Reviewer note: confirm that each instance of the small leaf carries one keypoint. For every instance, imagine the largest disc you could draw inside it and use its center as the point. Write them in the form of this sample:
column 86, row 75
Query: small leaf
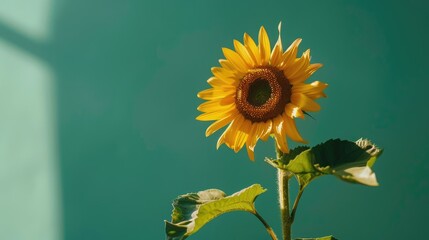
column 286, row 158
column 193, row 210
column 321, row 238
column 349, row 161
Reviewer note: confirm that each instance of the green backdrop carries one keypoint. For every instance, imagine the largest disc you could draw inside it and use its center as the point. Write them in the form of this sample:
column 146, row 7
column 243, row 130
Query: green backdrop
column 123, row 139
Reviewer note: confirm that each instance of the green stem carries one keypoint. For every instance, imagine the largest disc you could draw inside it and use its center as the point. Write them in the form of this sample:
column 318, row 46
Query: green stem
column 267, row 227
column 283, row 183
column 295, row 204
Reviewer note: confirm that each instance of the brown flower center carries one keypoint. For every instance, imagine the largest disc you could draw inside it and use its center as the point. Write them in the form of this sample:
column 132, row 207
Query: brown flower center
column 262, row 94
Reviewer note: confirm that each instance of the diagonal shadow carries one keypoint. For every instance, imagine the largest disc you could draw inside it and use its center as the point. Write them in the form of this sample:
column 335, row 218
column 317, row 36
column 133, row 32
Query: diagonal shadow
column 20, row 41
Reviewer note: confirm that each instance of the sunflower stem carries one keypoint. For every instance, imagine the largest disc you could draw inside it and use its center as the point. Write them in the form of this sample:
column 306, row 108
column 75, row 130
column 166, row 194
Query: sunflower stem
column 283, row 184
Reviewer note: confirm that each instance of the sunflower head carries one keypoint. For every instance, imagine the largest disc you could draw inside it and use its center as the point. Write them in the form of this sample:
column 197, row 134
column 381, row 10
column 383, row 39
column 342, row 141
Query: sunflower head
column 258, row 91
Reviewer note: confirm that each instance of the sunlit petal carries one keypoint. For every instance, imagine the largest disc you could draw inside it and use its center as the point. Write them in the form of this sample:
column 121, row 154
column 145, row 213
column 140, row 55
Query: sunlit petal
column 264, row 46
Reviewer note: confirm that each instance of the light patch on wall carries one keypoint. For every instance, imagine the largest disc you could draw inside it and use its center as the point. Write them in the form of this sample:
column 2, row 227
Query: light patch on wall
column 30, row 198
column 30, row 18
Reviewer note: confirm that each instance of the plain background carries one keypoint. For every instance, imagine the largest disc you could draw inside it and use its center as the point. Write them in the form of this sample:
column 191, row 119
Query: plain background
column 98, row 104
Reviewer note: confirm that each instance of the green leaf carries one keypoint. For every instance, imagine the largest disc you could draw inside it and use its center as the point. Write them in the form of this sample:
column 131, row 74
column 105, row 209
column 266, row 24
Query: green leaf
column 321, row 238
column 349, row 161
column 193, row 210
column 286, row 158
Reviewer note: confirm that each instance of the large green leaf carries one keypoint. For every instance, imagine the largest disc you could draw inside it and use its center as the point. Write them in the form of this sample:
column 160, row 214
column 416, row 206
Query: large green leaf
column 193, row 210
column 321, row 238
column 349, row 161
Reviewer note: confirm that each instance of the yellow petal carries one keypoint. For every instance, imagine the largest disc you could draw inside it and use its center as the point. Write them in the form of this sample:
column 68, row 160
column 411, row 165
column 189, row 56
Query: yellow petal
column 276, row 55
column 281, row 143
column 279, row 39
column 235, row 59
column 241, row 135
column 261, row 129
column 224, row 75
column 231, row 68
column 252, row 49
column 251, row 141
column 289, row 55
column 221, row 123
column 215, row 93
column 313, row 67
column 279, row 134
column 293, row 111
column 304, row 102
column 218, row 83
column 292, row 131
column 210, row 116
column 301, row 73
column 313, row 90
column 232, row 133
column 250, row 152
column 278, row 125
column 221, row 139
column 215, row 105
column 242, row 51
column 306, row 73
column 264, row 46
column 297, row 68
column 266, row 129
column 227, row 65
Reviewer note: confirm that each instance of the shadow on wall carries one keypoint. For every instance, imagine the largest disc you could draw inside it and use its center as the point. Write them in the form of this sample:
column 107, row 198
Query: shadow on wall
column 101, row 57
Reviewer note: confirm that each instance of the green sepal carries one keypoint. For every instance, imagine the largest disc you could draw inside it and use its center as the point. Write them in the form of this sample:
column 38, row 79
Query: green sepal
column 193, row 210
column 321, row 238
column 349, row 161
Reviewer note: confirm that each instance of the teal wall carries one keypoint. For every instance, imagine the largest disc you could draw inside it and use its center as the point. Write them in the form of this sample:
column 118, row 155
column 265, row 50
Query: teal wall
column 115, row 112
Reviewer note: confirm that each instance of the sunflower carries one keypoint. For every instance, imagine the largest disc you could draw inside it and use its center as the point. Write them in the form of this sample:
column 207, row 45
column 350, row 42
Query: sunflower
column 259, row 92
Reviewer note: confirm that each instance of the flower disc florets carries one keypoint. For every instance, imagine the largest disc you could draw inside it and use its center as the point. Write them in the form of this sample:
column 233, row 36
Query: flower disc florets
column 262, row 94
